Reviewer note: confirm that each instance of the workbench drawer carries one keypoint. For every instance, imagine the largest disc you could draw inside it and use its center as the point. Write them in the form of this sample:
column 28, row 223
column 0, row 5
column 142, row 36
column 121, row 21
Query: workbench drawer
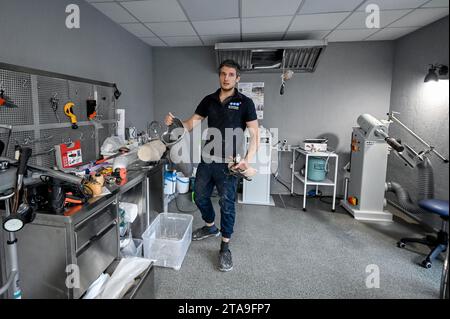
column 96, row 257
column 94, row 226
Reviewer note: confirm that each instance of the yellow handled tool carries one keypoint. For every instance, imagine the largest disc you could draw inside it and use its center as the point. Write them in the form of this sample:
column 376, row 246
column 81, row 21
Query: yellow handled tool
column 68, row 110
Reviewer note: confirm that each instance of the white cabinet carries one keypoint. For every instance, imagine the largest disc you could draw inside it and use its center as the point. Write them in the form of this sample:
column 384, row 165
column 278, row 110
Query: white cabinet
column 257, row 191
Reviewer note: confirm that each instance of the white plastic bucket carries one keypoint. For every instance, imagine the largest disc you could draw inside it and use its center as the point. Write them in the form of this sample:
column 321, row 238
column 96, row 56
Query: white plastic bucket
column 170, row 183
column 182, row 184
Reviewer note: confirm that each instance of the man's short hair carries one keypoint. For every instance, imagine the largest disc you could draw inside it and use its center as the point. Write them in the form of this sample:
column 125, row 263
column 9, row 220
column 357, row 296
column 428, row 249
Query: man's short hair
column 231, row 64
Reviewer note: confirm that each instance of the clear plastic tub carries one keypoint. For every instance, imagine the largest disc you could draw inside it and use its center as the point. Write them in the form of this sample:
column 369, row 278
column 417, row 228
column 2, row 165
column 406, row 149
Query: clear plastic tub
column 167, row 239
column 133, row 249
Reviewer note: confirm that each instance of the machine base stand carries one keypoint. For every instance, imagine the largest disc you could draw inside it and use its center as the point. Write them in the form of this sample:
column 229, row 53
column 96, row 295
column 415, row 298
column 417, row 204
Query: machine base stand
column 241, row 201
column 369, row 216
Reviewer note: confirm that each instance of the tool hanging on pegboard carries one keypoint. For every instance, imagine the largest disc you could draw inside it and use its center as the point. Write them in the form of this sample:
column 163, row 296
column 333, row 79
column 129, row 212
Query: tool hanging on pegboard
column 92, row 111
column 8, row 139
column 5, row 101
column 68, row 110
column 54, row 101
column 91, row 108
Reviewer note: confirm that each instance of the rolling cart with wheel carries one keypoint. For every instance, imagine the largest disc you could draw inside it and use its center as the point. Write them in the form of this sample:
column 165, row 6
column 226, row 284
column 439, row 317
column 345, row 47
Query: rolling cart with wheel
column 307, row 181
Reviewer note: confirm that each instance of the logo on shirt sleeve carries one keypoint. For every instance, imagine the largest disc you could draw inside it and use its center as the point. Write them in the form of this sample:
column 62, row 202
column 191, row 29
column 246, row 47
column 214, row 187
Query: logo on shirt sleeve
column 234, row 105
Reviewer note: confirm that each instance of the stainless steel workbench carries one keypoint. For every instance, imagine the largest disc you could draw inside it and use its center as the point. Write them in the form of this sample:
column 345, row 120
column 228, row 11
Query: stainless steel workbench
column 84, row 242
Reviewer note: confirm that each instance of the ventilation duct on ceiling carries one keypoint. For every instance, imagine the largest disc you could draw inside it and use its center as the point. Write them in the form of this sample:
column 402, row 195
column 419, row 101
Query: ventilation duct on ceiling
column 298, row 56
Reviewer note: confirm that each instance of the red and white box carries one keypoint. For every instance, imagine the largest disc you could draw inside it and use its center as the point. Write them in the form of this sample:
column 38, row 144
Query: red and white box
column 68, row 155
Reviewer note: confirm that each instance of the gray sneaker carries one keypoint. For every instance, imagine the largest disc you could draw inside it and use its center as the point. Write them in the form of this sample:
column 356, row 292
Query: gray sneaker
column 205, row 232
column 225, row 261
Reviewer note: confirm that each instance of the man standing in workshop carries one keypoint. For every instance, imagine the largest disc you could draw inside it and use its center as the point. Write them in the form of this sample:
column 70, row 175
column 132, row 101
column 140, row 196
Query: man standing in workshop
column 227, row 110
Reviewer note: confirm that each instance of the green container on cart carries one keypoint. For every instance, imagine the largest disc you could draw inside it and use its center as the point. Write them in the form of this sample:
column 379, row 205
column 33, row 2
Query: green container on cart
column 317, row 169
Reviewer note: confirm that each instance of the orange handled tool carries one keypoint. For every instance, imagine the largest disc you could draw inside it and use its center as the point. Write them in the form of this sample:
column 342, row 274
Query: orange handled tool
column 5, row 101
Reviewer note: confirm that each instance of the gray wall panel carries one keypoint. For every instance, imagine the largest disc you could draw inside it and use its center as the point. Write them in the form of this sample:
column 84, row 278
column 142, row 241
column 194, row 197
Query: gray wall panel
column 424, row 112
column 351, row 79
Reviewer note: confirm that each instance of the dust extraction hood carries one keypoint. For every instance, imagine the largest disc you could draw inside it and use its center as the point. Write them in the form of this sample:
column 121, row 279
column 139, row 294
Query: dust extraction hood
column 298, row 56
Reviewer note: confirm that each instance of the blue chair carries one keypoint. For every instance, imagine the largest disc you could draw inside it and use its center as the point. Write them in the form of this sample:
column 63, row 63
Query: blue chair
column 437, row 243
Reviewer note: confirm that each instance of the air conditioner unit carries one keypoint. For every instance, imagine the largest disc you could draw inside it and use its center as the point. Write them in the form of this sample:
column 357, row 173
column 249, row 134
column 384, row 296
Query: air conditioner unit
column 273, row 56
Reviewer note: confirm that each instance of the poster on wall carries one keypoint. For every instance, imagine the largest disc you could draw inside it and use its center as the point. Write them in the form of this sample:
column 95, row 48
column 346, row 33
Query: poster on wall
column 255, row 91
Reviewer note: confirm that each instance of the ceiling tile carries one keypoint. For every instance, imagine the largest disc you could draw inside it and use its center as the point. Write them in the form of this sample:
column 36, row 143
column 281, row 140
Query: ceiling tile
column 306, row 35
column 156, row 10
column 391, row 34
column 265, row 8
column 350, row 35
column 172, row 29
column 211, row 9
column 420, row 17
column 138, row 29
column 182, row 41
column 217, row 27
column 437, row 4
column 115, row 12
column 211, row 40
column 262, row 37
column 393, row 4
column 324, row 6
column 155, row 42
column 267, row 24
column 358, row 19
column 317, row 22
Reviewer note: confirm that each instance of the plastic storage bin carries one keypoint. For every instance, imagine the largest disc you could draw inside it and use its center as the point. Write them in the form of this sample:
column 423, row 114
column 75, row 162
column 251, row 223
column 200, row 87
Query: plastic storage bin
column 133, row 249
column 167, row 239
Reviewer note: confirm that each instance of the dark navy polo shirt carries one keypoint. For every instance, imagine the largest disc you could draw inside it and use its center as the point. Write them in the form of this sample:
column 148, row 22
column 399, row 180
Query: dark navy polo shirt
column 234, row 112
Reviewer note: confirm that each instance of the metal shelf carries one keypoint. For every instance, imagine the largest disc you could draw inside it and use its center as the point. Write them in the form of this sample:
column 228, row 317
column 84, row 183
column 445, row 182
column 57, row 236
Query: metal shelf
column 317, row 154
column 326, row 182
column 306, row 181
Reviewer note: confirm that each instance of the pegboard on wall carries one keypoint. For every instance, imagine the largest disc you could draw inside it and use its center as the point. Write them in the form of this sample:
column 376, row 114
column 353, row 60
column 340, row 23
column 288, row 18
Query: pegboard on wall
column 23, row 138
column 52, row 137
column 17, row 88
column 41, row 124
column 107, row 130
column 106, row 101
column 49, row 88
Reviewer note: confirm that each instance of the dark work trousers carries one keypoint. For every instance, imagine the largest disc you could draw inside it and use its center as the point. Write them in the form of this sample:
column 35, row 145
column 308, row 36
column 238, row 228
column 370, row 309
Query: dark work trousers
column 208, row 176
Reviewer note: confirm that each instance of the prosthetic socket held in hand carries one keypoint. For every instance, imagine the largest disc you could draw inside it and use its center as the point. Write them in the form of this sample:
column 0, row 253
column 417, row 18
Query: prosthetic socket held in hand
column 246, row 174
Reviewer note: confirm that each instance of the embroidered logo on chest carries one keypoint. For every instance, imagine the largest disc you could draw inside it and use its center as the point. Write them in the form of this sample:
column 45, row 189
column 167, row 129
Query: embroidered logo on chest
column 234, row 106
